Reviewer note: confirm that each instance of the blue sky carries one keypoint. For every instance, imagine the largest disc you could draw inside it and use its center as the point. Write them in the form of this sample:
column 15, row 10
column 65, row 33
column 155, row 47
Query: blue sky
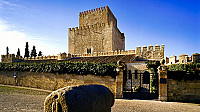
column 45, row 23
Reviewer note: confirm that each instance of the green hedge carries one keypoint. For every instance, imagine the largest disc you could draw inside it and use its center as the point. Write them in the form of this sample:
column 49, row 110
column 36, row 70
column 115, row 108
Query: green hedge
column 80, row 68
column 184, row 71
column 184, row 67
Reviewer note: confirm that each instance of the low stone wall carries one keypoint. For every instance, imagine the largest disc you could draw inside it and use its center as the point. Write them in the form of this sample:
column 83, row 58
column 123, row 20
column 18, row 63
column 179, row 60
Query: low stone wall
column 50, row 81
column 184, row 91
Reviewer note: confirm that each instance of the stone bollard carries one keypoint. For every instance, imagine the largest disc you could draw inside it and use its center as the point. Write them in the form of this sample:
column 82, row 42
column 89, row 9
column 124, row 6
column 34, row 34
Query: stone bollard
column 84, row 98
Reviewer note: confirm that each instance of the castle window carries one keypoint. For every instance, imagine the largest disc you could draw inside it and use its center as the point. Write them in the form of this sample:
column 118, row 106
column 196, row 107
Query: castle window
column 89, row 51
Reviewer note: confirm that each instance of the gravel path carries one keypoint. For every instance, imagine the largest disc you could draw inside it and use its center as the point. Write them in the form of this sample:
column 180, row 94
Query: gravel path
column 23, row 100
column 34, row 103
column 21, row 103
column 122, row 105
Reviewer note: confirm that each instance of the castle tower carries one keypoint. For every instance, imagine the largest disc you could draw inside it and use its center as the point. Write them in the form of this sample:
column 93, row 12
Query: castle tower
column 97, row 32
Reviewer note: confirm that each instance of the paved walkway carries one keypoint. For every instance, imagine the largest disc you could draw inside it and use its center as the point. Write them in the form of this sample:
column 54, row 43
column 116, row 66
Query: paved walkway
column 14, row 102
column 122, row 105
column 34, row 103
column 36, row 89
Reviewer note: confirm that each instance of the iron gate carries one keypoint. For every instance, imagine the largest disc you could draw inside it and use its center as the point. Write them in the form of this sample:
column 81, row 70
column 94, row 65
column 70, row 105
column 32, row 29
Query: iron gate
column 136, row 85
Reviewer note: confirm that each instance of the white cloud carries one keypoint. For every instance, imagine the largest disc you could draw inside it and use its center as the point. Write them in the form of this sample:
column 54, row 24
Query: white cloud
column 10, row 5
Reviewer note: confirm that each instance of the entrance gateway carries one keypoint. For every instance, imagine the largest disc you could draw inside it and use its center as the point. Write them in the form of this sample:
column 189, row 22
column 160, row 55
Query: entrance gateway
column 140, row 84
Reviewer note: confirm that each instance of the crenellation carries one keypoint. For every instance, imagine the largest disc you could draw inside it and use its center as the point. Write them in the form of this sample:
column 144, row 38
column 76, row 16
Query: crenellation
column 122, row 52
column 144, row 49
column 133, row 51
column 138, row 51
column 157, row 47
column 110, row 12
column 150, row 47
column 126, row 52
column 115, row 53
column 129, row 51
column 92, row 11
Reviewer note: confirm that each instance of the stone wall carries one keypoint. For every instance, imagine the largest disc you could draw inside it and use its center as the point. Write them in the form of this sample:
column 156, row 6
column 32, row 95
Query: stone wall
column 117, row 35
column 97, row 37
column 186, row 91
column 49, row 81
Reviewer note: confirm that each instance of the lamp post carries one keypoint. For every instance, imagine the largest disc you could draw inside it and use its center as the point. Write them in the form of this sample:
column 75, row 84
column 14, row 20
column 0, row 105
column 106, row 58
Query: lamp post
column 15, row 77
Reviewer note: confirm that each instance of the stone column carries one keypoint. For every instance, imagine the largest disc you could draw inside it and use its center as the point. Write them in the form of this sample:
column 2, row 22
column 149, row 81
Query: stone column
column 162, row 83
column 119, row 84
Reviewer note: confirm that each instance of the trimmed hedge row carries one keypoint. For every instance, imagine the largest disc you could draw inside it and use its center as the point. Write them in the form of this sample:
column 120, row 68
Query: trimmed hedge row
column 184, row 71
column 80, row 68
column 184, row 67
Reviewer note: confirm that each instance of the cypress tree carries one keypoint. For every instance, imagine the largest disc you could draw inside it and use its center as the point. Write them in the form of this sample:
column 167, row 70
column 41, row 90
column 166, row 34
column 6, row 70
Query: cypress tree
column 7, row 50
column 40, row 53
column 26, row 51
column 33, row 52
column 18, row 52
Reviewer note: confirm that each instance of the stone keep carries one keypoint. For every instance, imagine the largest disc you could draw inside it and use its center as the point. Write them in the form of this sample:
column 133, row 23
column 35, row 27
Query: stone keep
column 97, row 32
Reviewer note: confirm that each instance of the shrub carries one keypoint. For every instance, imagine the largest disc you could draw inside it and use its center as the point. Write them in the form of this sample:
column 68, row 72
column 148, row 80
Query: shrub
column 80, row 68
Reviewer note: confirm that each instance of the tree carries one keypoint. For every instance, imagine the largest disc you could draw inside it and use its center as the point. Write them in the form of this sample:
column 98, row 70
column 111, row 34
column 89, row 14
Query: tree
column 33, row 52
column 26, row 51
column 7, row 50
column 18, row 52
column 40, row 53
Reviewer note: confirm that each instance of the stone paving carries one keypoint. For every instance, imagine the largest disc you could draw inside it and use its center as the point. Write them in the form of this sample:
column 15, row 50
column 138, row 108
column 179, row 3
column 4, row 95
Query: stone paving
column 17, row 99
column 34, row 103
column 122, row 105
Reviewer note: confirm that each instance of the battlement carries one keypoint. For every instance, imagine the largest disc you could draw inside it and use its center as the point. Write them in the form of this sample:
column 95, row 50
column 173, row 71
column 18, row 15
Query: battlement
column 142, row 53
column 151, row 48
column 83, row 13
column 61, row 56
column 111, row 53
column 10, row 58
column 98, row 25
column 150, row 53
column 98, row 15
column 93, row 10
